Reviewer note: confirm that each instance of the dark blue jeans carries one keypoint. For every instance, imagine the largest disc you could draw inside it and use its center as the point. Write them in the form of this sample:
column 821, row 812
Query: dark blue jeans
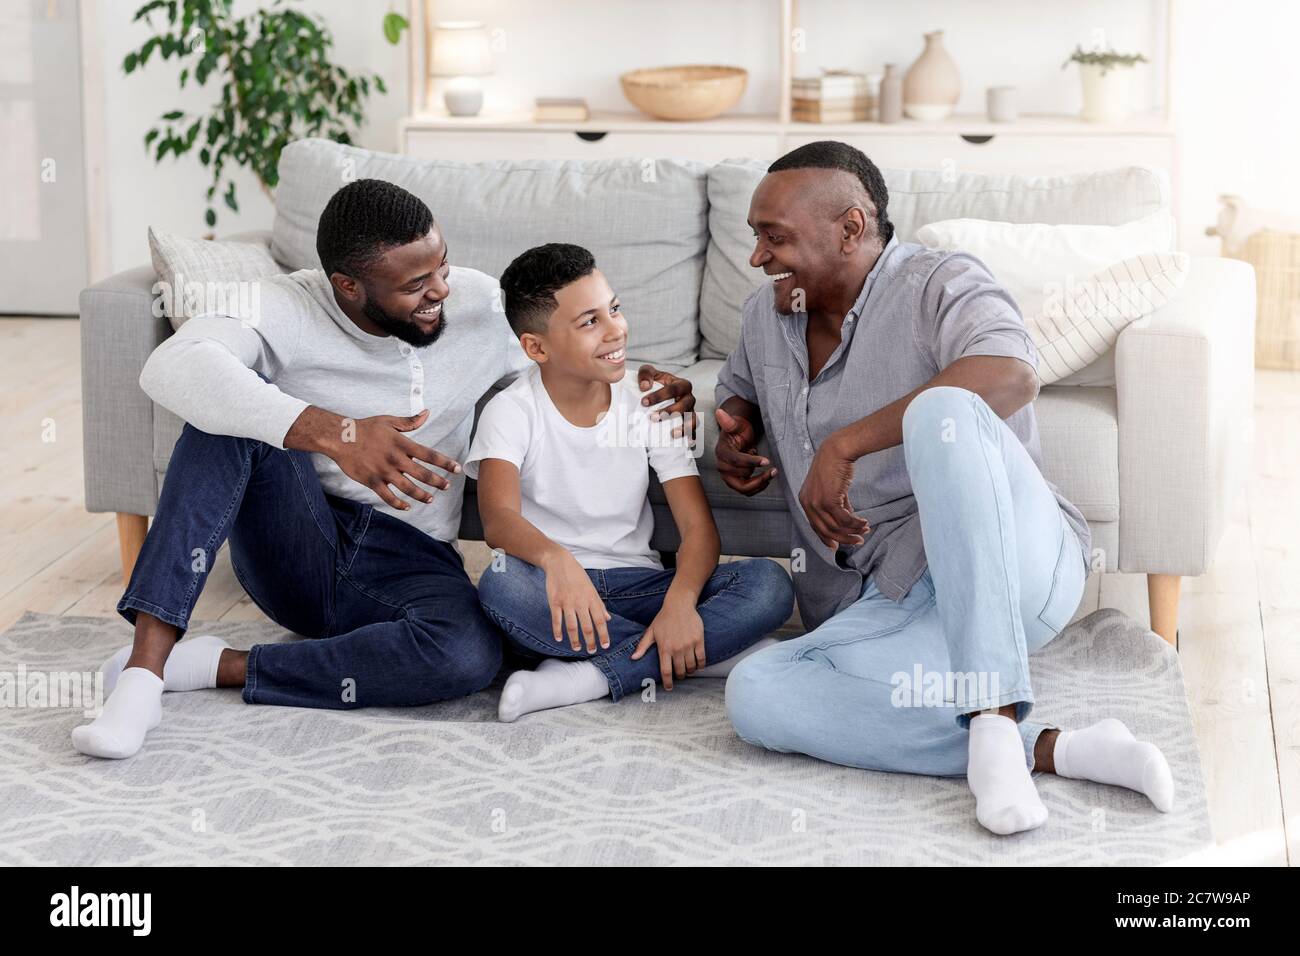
column 742, row 602
column 396, row 619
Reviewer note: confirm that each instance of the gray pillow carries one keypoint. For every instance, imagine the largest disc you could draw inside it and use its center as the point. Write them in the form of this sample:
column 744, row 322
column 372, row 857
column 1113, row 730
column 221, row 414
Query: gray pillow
column 199, row 276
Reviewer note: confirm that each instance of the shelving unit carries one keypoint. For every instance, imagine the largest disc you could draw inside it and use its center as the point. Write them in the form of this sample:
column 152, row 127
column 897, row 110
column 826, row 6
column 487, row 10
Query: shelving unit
column 1044, row 143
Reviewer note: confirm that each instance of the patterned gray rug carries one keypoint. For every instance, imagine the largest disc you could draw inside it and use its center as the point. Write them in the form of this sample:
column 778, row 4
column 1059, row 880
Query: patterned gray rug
column 638, row 783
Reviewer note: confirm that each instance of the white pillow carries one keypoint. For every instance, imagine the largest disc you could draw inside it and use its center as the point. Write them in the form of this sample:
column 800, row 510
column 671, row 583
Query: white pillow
column 1024, row 257
column 204, row 275
column 1081, row 320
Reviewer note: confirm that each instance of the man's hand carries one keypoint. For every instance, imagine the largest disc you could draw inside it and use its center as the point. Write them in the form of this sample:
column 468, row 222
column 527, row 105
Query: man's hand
column 825, row 497
column 737, row 457
column 679, row 391
column 374, row 452
column 575, row 603
column 679, row 633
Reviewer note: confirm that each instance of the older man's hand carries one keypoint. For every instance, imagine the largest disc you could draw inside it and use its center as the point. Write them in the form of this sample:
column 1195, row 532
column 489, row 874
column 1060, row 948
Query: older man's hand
column 737, row 458
column 825, row 497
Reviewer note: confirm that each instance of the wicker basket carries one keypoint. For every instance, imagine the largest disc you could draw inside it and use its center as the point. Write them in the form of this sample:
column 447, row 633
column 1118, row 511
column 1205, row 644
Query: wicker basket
column 1276, row 258
column 685, row 92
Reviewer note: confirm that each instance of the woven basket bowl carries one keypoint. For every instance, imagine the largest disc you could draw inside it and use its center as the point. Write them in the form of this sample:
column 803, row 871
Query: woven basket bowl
column 685, row 92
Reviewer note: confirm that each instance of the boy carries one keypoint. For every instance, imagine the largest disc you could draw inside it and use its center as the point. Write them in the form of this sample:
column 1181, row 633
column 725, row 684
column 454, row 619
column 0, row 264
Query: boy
column 560, row 457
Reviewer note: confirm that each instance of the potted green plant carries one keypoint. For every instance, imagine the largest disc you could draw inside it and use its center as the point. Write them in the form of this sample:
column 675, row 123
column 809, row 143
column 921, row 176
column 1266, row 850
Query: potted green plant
column 1107, row 82
column 278, row 84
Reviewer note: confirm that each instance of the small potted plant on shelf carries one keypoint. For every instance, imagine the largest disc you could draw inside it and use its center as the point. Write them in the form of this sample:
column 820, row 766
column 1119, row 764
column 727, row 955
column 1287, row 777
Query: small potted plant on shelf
column 1107, row 83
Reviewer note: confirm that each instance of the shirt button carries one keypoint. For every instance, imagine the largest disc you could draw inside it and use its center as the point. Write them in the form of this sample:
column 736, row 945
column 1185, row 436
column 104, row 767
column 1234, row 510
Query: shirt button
column 807, row 447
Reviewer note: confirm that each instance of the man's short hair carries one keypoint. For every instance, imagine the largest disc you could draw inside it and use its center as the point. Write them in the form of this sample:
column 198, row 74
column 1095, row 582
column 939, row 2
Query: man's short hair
column 530, row 282
column 365, row 219
column 829, row 154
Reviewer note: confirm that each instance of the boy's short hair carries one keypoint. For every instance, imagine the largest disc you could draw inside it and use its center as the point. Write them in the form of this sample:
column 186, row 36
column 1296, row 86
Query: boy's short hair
column 530, row 282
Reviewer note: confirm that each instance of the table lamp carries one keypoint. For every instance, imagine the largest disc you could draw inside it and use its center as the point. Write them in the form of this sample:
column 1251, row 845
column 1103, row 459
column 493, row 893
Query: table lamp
column 460, row 50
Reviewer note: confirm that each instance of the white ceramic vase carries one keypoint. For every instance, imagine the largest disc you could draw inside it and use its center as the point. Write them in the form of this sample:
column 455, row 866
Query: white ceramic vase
column 1107, row 95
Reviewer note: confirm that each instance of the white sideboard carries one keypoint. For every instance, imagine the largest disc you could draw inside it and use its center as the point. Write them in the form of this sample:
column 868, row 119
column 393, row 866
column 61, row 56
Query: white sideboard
column 1043, row 145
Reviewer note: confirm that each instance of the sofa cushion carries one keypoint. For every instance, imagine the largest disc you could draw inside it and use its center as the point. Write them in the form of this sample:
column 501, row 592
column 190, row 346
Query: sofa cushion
column 208, row 275
column 916, row 197
column 646, row 223
column 1078, row 429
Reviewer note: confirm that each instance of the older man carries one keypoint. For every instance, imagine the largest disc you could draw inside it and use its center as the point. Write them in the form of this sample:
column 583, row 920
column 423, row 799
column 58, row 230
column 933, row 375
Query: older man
column 893, row 383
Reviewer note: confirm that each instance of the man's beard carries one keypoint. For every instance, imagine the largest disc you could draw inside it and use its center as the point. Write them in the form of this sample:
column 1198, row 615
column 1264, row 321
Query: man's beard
column 402, row 328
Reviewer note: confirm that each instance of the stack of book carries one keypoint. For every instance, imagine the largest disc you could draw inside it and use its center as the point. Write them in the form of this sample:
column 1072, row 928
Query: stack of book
column 836, row 96
column 558, row 109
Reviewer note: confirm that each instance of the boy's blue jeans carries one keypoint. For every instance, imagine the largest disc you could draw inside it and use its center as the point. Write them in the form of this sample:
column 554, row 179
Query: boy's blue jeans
column 742, row 602
column 889, row 686
column 395, row 619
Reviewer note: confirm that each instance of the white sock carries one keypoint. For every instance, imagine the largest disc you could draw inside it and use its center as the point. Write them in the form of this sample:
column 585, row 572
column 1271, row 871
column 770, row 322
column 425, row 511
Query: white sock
column 134, row 709
column 1107, row 752
column 555, row 683
column 723, row 668
column 1005, row 798
column 192, row 664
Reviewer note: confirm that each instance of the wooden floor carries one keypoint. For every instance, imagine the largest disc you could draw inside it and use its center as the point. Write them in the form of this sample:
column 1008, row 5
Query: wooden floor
column 1239, row 623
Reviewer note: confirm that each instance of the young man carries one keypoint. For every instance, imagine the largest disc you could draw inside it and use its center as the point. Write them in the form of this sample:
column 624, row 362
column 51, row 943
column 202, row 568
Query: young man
column 894, row 384
column 323, row 441
column 561, row 458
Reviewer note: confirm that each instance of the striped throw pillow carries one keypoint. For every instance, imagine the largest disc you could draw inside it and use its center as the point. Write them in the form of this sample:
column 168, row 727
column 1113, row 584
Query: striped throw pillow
column 1080, row 320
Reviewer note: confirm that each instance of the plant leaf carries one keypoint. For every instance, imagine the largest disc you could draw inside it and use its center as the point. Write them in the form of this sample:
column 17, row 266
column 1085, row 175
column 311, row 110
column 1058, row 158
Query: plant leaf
column 394, row 24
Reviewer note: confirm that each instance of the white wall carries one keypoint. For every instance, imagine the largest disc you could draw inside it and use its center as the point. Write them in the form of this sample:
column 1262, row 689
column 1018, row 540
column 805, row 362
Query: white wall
column 1234, row 69
column 1236, row 81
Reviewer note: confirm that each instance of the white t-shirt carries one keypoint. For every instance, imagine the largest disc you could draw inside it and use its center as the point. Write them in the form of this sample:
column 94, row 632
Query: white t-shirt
column 584, row 488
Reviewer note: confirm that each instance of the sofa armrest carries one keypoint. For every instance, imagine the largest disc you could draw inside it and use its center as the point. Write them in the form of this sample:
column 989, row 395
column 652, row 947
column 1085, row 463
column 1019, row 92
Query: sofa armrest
column 1185, row 382
column 118, row 331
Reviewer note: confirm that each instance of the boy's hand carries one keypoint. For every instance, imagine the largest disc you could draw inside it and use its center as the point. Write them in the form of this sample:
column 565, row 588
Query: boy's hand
column 679, row 391
column 679, row 633
column 737, row 457
column 575, row 603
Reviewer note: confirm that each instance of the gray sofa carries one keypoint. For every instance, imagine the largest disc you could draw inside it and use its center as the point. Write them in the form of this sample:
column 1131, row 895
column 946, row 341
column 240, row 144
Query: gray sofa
column 1148, row 441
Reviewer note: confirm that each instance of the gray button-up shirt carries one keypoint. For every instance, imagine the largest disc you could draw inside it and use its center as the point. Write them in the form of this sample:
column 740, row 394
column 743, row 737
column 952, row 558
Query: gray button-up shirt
column 919, row 310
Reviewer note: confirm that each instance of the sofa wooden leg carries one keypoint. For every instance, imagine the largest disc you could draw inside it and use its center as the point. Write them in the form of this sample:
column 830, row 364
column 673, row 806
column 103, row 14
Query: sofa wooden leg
column 131, row 530
column 1162, row 595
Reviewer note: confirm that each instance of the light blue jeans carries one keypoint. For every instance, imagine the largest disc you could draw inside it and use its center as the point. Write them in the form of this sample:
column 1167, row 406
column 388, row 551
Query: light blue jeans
column 890, row 686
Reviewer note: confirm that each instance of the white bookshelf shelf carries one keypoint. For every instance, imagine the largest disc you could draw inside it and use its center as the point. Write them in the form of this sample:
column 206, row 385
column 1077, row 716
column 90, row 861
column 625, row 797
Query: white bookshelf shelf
column 972, row 125
column 1036, row 144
